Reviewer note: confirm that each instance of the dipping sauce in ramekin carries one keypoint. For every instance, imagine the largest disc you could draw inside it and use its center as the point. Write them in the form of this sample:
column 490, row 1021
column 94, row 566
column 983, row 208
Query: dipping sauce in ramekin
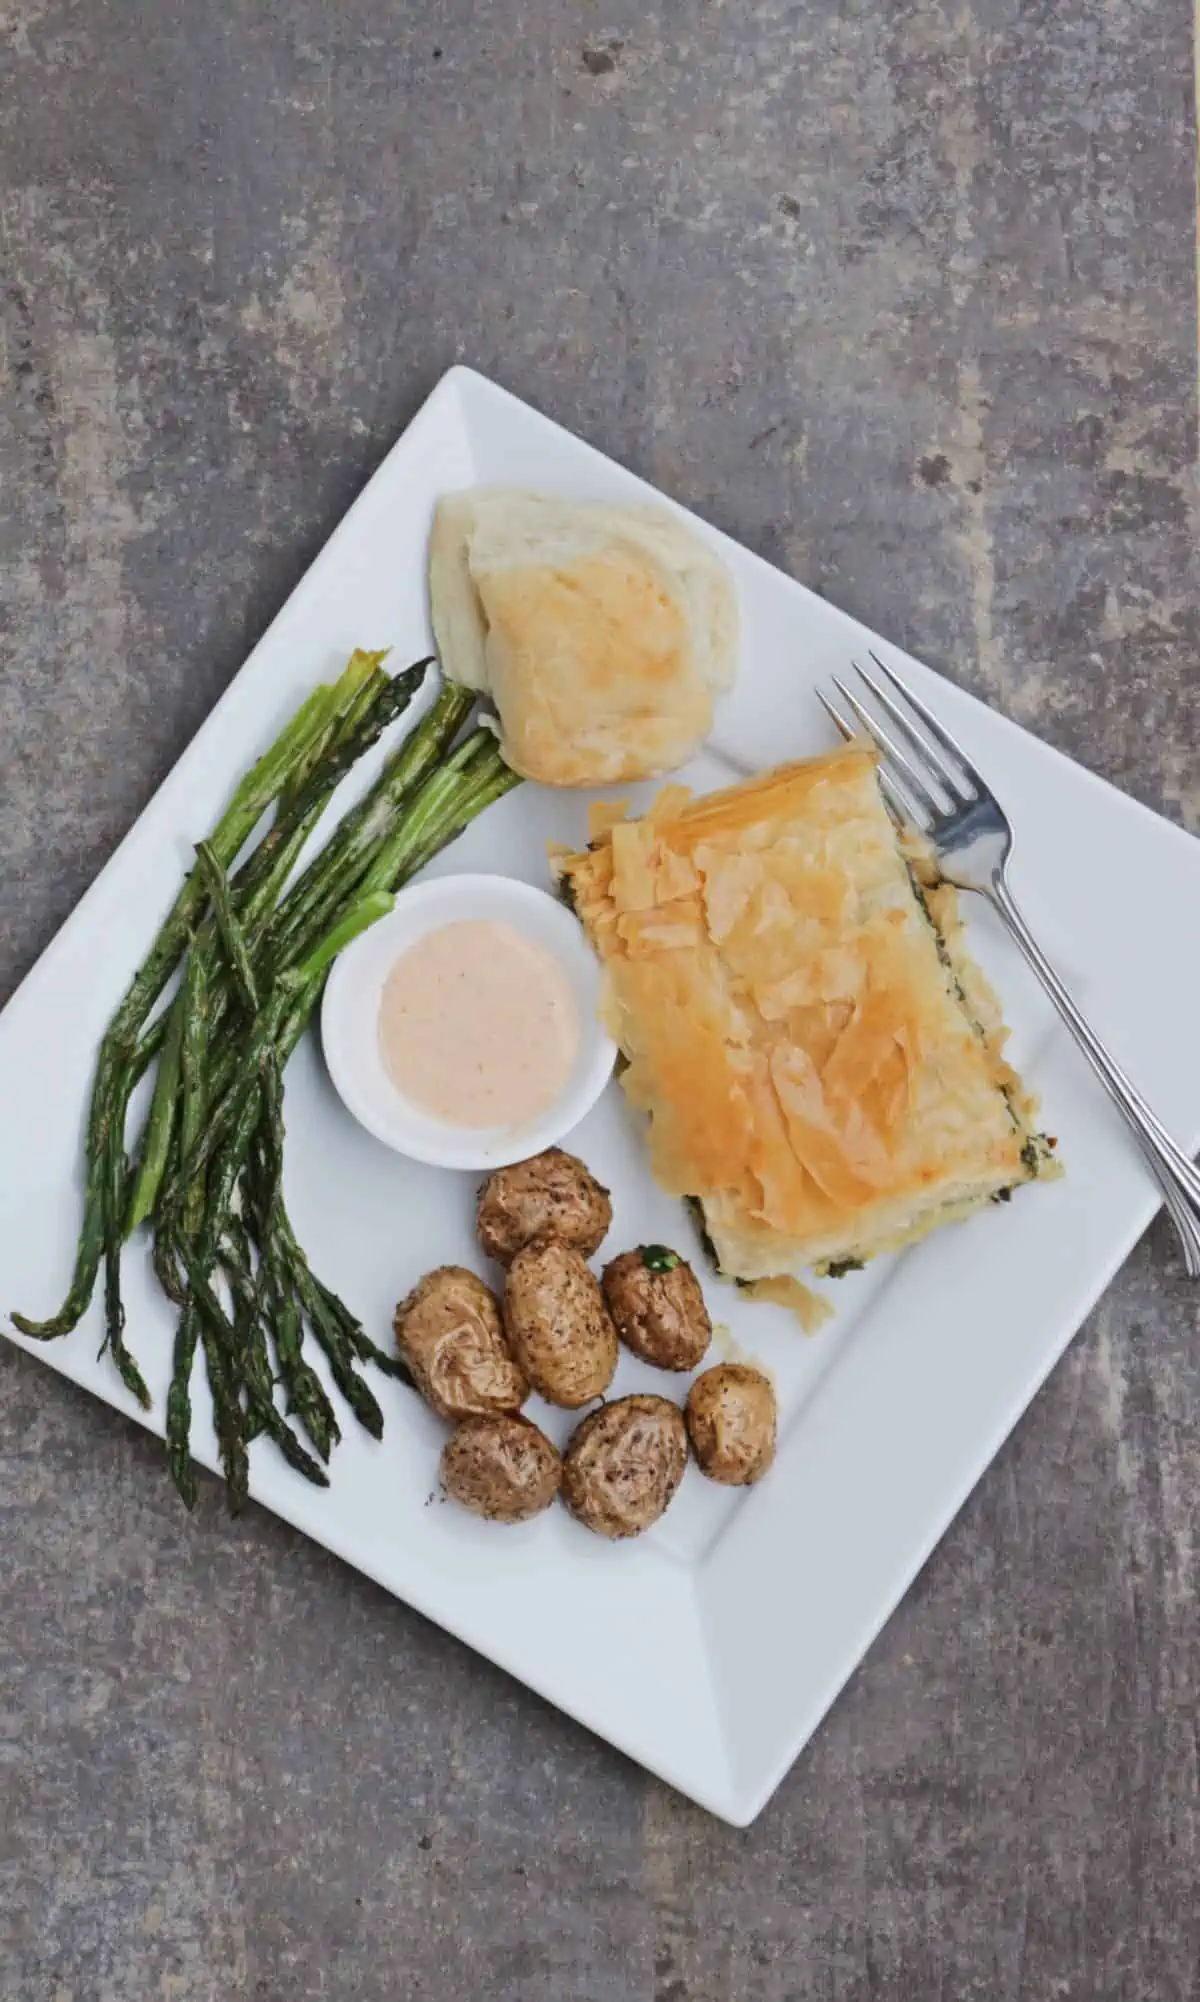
column 478, row 1024
column 464, row 1029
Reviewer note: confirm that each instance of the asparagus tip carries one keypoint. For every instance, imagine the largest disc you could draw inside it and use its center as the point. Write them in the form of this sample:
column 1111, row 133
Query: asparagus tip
column 40, row 1331
column 131, row 1375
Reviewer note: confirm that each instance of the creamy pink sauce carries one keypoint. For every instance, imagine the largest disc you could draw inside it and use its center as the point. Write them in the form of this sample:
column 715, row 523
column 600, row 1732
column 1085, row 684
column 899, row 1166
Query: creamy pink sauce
column 478, row 1025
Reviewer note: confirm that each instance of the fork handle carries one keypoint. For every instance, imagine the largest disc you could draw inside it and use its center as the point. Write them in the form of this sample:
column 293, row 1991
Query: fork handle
column 1178, row 1178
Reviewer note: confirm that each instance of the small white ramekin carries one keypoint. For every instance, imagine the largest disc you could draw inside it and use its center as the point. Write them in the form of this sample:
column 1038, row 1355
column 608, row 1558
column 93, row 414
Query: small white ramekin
column 350, row 1022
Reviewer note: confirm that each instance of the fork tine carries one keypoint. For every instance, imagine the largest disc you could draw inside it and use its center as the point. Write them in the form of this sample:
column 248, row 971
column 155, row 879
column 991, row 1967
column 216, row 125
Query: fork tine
column 914, row 782
column 941, row 736
column 835, row 715
column 900, row 808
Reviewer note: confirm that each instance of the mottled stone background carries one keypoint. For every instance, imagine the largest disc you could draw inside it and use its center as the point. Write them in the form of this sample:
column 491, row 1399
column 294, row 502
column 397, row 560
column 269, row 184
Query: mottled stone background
column 903, row 294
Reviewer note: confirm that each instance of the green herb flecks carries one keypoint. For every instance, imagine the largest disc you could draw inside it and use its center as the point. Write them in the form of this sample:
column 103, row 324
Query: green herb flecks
column 837, row 1268
column 695, row 1209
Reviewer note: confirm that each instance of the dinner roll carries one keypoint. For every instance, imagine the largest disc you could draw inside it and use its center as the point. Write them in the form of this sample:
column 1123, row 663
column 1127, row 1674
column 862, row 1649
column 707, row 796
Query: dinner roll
column 600, row 633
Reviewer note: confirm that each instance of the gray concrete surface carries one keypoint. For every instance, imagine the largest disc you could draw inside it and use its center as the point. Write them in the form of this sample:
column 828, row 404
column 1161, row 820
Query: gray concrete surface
column 904, row 295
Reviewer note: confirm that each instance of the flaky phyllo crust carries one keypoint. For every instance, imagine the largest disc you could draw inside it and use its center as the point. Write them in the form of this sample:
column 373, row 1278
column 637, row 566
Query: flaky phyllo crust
column 820, row 1062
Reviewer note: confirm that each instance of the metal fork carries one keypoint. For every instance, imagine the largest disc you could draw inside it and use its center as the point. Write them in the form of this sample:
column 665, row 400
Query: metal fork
column 928, row 780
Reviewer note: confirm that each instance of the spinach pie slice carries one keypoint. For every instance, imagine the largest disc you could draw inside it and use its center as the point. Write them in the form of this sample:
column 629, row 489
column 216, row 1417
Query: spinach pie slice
column 821, row 1063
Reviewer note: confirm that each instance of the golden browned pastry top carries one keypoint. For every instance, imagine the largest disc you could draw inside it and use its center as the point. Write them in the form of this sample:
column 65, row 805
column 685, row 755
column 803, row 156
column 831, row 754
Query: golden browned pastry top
column 808, row 1051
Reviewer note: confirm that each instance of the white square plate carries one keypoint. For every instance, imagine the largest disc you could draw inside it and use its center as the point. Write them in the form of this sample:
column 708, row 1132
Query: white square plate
column 710, row 1650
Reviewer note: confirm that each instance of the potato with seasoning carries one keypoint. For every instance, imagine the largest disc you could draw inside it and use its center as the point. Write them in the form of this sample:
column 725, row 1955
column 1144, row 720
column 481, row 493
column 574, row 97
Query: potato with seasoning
column 731, row 1422
column 623, row 1465
column 450, row 1333
column 550, row 1195
column 655, row 1300
column 500, row 1467
column 557, row 1323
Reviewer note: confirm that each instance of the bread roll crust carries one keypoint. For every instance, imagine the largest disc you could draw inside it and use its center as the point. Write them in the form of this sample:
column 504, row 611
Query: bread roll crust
column 600, row 633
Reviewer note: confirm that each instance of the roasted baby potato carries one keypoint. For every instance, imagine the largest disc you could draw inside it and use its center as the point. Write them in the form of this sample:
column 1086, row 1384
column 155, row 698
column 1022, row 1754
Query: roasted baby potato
column 655, row 1300
column 450, row 1333
column 623, row 1465
column 550, row 1195
column 501, row 1467
column 557, row 1323
column 731, row 1420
